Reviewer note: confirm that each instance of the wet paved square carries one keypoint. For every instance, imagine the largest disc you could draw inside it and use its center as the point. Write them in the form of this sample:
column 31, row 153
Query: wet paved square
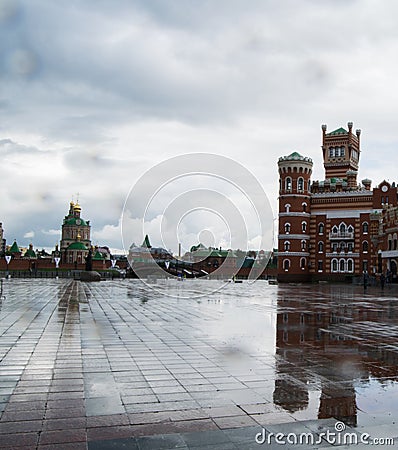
column 120, row 364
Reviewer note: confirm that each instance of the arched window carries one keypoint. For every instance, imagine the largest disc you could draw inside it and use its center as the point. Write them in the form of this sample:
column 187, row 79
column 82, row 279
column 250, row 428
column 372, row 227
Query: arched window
column 331, row 152
column 304, row 205
column 350, row 229
column 286, row 246
column 342, row 246
column 302, row 263
column 365, row 227
column 342, row 151
column 320, row 247
column 342, row 265
column 286, row 265
column 365, row 246
column 288, row 184
column 300, row 184
column 303, row 246
column 321, row 228
column 304, row 227
column 389, row 242
column 335, row 229
column 334, row 265
column 350, row 265
column 287, row 228
column 342, row 228
column 287, row 207
column 350, row 247
column 334, row 247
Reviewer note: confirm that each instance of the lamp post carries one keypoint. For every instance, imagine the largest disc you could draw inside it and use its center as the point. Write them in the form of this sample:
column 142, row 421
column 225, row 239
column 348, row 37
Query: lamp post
column 57, row 259
column 8, row 259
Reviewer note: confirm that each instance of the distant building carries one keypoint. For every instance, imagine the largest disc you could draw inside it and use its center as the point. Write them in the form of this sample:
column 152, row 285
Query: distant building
column 334, row 229
column 146, row 253
column 14, row 251
column 2, row 241
column 75, row 240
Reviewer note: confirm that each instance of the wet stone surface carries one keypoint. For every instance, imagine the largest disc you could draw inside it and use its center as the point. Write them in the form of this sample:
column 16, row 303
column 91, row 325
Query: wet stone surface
column 193, row 364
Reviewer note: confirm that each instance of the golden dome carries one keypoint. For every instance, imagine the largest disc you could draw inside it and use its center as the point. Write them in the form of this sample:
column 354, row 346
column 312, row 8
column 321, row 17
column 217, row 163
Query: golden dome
column 77, row 207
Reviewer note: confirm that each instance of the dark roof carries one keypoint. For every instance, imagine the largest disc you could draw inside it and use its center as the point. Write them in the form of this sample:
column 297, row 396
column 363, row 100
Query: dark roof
column 146, row 242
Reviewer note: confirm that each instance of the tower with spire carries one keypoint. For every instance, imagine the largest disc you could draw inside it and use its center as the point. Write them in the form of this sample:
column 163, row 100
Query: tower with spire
column 76, row 239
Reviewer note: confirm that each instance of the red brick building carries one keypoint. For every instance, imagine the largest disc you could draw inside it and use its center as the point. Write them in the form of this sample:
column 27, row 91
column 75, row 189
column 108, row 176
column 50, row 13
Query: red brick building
column 333, row 229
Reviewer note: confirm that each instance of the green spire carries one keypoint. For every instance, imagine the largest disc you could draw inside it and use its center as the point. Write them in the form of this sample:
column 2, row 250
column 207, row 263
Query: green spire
column 30, row 253
column 98, row 256
column 14, row 248
column 146, row 242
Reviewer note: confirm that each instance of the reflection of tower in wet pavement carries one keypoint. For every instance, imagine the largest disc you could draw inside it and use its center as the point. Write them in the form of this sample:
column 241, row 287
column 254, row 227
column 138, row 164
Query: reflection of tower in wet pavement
column 309, row 354
column 338, row 400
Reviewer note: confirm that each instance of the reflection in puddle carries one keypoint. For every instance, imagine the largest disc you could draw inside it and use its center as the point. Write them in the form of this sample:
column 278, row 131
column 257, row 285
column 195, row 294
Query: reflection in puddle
column 343, row 342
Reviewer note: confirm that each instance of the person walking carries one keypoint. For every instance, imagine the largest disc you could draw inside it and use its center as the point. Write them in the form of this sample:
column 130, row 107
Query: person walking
column 382, row 281
column 365, row 280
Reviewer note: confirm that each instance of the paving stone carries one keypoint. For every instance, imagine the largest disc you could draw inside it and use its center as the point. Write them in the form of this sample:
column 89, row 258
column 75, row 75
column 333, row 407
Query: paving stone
column 119, row 368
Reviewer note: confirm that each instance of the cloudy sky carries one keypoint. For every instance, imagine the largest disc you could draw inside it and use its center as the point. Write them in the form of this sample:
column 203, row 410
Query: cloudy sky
column 94, row 93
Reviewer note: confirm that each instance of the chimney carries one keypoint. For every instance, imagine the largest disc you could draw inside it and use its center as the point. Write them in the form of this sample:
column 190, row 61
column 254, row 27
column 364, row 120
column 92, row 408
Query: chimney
column 352, row 179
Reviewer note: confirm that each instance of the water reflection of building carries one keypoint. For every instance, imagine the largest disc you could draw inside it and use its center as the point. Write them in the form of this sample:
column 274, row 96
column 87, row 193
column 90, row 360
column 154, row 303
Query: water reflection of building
column 329, row 340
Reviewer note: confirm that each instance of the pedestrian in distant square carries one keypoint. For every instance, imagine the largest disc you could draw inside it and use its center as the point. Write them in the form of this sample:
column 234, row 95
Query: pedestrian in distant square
column 382, row 280
column 365, row 279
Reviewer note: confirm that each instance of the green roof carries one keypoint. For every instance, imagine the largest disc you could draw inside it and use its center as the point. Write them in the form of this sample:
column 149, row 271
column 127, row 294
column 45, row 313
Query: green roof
column 77, row 246
column 213, row 253
column 75, row 221
column 14, row 248
column 338, row 131
column 195, row 248
column 98, row 256
column 295, row 155
column 146, row 242
column 30, row 253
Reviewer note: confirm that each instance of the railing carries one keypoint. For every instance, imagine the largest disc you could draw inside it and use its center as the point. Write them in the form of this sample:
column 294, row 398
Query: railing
column 341, row 235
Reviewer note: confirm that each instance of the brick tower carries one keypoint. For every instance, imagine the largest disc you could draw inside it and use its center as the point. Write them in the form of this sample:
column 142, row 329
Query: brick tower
column 341, row 151
column 294, row 217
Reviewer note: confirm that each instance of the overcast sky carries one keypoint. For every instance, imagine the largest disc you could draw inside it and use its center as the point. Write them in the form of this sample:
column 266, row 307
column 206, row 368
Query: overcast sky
column 95, row 93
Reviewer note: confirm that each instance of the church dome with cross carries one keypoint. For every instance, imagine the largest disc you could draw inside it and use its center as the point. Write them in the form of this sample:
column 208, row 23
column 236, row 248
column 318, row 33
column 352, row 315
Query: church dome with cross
column 76, row 239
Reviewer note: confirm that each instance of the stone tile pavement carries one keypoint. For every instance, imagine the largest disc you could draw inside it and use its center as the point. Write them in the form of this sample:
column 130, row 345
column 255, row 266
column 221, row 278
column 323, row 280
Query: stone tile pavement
column 108, row 365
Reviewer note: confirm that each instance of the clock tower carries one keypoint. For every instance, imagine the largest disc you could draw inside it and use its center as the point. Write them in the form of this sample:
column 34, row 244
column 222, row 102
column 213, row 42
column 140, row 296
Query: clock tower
column 75, row 241
column 341, row 151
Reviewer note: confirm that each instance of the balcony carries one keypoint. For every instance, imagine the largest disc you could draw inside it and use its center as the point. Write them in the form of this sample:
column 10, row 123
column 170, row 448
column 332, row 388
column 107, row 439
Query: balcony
column 341, row 235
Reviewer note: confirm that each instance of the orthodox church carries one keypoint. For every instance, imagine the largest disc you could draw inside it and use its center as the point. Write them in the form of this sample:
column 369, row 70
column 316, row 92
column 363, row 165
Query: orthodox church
column 75, row 238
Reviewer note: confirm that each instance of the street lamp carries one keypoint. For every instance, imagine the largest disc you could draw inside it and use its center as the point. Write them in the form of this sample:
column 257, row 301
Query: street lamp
column 8, row 259
column 57, row 259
